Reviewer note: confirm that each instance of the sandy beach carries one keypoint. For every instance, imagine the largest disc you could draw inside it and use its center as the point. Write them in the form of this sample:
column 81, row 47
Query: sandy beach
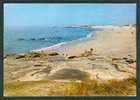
column 110, row 54
column 111, row 41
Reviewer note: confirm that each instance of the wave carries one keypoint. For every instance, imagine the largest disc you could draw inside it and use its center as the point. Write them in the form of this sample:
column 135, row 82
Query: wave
column 40, row 39
column 90, row 35
column 51, row 47
column 58, row 45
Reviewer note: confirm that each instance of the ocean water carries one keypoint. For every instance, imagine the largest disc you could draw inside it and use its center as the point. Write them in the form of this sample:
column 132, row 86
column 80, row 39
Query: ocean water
column 30, row 39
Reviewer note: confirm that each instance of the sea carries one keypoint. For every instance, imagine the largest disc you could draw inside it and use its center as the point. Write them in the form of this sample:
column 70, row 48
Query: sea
column 26, row 40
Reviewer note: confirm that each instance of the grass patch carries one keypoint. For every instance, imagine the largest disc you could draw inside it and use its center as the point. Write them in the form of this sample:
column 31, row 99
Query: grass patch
column 125, row 87
column 24, row 88
column 94, row 88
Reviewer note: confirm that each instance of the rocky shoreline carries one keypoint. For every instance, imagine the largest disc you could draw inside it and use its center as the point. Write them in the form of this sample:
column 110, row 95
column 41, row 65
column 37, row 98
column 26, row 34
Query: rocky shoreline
column 111, row 56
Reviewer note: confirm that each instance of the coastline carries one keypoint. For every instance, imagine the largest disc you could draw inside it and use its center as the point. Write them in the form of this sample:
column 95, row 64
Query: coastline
column 52, row 36
column 108, row 58
column 90, row 35
column 95, row 40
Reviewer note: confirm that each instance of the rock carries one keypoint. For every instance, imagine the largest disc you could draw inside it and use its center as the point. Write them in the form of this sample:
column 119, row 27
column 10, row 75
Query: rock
column 21, row 39
column 20, row 56
column 53, row 54
column 32, row 39
column 35, row 54
column 37, row 65
column 91, row 49
column 71, row 57
column 113, row 59
column 41, row 39
column 5, row 56
column 125, row 58
column 132, row 32
column 130, row 61
column 87, row 53
column 58, row 38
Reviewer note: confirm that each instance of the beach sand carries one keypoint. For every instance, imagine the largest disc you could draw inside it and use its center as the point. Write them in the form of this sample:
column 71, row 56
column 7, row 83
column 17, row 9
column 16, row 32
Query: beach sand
column 112, row 40
column 109, row 55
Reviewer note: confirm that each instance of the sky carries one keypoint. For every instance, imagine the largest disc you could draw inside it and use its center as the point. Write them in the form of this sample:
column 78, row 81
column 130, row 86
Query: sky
column 41, row 15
